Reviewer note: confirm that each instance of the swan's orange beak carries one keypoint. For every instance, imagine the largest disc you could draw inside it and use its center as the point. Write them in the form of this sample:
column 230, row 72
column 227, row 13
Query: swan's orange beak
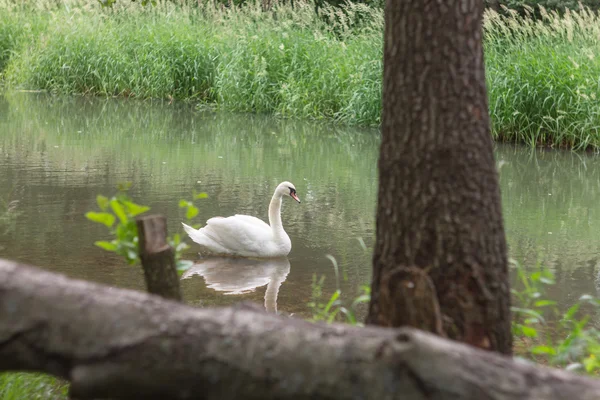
column 295, row 197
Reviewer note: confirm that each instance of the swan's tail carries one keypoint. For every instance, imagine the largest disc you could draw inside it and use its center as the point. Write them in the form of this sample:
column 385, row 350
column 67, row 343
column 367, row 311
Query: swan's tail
column 204, row 238
column 194, row 234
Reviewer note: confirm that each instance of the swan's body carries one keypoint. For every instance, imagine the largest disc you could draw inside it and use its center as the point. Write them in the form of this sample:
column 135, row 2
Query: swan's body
column 247, row 236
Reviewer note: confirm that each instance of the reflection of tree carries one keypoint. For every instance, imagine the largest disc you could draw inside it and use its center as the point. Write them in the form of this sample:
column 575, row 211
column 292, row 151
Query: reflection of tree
column 242, row 275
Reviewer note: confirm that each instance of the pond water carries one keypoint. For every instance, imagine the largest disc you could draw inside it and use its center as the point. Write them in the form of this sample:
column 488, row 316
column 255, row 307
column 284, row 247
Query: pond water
column 57, row 154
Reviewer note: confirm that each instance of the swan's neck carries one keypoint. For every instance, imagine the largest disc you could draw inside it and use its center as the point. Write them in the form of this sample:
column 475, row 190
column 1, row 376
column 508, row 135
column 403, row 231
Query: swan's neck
column 275, row 216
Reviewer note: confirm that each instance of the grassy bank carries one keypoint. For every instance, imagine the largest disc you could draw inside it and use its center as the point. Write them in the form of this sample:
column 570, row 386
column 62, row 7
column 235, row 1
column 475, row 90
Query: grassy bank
column 287, row 62
column 543, row 76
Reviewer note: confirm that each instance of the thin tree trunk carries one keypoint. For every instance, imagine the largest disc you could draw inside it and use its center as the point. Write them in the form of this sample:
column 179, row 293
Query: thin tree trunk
column 439, row 205
column 121, row 344
column 157, row 257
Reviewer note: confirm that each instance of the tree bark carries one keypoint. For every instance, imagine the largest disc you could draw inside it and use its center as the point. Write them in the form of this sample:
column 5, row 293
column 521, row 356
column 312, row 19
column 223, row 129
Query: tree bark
column 439, row 200
column 157, row 257
column 121, row 344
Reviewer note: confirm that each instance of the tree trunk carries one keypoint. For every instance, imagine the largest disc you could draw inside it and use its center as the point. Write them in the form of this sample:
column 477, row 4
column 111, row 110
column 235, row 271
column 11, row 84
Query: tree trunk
column 439, row 220
column 121, row 344
column 157, row 257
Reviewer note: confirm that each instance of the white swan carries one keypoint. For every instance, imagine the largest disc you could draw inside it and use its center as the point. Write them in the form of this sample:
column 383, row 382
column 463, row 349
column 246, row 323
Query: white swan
column 246, row 236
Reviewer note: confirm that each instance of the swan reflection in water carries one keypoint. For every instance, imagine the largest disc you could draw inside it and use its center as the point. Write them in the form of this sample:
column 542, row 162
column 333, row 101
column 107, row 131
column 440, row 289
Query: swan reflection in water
column 243, row 275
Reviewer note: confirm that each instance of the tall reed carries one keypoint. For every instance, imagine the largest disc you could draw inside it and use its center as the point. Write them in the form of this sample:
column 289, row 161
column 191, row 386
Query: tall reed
column 544, row 78
column 286, row 61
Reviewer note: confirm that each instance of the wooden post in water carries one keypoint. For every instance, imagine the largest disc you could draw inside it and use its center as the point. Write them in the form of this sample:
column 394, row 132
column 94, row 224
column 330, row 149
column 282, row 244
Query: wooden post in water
column 158, row 258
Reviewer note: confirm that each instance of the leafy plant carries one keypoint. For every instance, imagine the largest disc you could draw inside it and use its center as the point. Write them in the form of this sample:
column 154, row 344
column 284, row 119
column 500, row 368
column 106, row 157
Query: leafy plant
column 562, row 339
column 118, row 215
column 335, row 306
column 332, row 308
column 542, row 332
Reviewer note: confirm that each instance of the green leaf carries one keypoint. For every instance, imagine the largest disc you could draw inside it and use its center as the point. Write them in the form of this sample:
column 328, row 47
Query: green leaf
column 547, row 277
column 183, row 203
column 571, row 312
column 364, row 298
column 595, row 302
column 529, row 331
column 108, row 246
column 200, row 196
column 123, row 186
column 529, row 312
column 191, row 212
column 132, row 255
column 182, row 246
column 118, row 210
column 543, row 350
column 547, row 281
column 544, row 303
column 332, row 316
column 332, row 300
column 350, row 317
column 102, row 218
column 102, row 202
column 183, row 265
column 134, row 209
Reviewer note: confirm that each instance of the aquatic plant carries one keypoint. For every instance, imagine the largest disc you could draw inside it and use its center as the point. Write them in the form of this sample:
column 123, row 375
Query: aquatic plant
column 543, row 332
column 118, row 215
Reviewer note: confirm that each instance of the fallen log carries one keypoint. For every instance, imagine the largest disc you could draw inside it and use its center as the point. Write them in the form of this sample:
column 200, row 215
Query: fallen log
column 122, row 344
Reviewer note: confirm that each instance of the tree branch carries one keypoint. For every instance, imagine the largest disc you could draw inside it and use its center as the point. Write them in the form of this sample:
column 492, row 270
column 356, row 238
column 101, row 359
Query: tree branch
column 124, row 344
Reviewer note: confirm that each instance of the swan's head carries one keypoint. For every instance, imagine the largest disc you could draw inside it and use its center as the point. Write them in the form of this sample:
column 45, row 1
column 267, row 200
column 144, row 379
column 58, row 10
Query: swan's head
column 287, row 189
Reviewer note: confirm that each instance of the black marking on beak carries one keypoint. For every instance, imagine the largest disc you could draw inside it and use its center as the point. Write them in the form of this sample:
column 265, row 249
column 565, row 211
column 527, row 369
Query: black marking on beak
column 293, row 195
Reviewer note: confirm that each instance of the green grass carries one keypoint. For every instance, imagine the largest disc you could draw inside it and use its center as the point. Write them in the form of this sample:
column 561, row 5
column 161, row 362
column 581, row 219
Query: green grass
column 287, row 62
column 542, row 73
column 544, row 78
column 26, row 386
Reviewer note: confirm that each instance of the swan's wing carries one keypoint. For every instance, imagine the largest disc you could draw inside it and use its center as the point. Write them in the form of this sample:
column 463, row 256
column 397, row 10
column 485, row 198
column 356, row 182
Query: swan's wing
column 253, row 220
column 239, row 233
